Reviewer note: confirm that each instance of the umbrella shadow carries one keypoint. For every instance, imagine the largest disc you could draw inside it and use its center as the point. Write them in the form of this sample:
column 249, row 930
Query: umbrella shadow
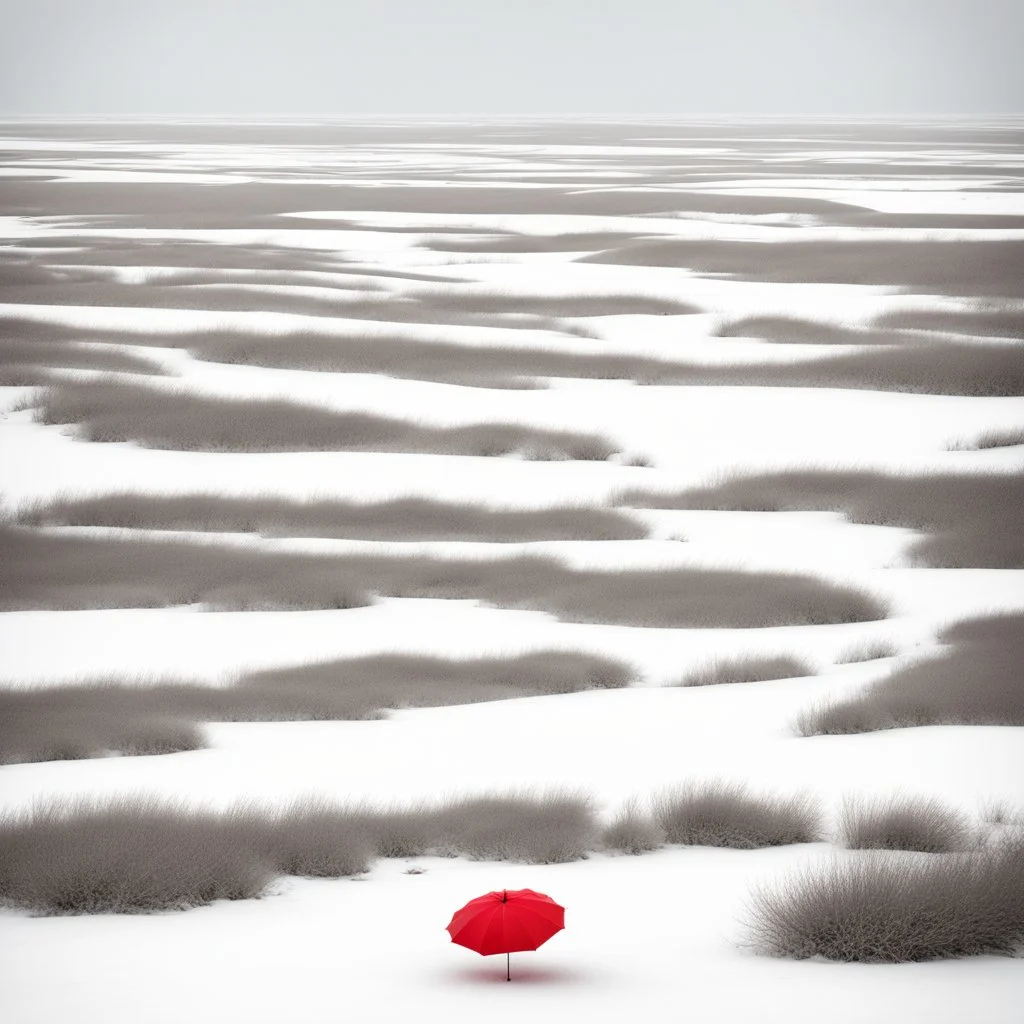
column 523, row 974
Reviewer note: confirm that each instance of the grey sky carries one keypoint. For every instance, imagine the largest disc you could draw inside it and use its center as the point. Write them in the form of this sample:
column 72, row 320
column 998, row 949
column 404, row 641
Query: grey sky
column 336, row 58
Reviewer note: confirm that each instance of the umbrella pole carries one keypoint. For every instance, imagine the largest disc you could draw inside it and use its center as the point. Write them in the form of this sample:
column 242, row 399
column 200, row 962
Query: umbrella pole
column 508, row 966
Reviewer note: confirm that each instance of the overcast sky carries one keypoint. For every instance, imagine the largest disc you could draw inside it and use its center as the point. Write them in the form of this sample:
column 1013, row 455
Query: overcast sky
column 337, row 58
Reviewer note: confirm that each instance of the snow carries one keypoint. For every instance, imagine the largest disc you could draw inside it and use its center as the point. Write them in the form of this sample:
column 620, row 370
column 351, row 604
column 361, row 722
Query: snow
column 642, row 938
column 646, row 936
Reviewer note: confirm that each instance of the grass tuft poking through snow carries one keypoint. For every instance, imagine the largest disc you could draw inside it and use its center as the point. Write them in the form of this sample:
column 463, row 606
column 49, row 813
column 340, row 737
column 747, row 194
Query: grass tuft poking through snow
column 134, row 854
column 904, row 823
column 868, row 650
column 976, row 683
column 723, row 814
column 896, row 907
column 1008, row 438
column 747, row 669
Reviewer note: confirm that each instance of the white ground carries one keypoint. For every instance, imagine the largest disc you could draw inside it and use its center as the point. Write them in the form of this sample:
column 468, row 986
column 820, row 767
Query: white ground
column 645, row 936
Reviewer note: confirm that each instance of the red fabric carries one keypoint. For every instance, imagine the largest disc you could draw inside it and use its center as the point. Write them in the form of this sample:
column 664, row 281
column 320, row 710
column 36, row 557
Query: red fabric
column 507, row 921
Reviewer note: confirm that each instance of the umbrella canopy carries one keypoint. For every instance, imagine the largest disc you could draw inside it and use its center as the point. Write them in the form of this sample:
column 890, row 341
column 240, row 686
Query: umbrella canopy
column 507, row 921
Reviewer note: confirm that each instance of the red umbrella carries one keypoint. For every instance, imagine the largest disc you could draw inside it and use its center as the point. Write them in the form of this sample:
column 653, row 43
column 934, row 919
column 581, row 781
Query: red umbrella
column 508, row 921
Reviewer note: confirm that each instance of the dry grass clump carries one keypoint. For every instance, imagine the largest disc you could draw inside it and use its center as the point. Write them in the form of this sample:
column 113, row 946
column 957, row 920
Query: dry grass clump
column 124, row 856
column 971, row 519
column 633, row 830
column 896, row 908
column 118, row 410
column 868, row 650
column 977, row 682
column 310, row 837
column 551, row 828
column 746, row 669
column 721, row 814
column 1008, row 438
column 42, row 570
column 108, row 716
column 137, row 854
column 399, row 519
column 904, row 823
column 1002, row 814
column 71, row 723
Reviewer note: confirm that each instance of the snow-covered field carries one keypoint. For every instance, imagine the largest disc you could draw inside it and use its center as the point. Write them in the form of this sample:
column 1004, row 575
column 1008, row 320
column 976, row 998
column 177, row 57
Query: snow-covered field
column 525, row 237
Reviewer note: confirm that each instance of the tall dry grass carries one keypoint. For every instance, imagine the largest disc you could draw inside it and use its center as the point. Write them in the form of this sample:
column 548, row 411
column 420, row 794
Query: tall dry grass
column 722, row 814
column 975, row 682
column 108, row 716
column 400, row 519
column 753, row 668
column 970, row 519
column 40, row 569
column 901, row 822
column 896, row 908
column 136, row 854
column 120, row 410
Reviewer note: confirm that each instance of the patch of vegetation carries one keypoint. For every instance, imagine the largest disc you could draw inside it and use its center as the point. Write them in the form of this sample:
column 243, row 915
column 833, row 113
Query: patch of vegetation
column 975, row 682
column 896, row 908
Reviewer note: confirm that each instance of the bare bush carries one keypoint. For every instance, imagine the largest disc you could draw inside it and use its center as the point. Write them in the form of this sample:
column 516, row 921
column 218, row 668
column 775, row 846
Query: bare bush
column 904, row 823
column 134, row 854
column 310, row 837
column 976, row 682
column 125, row 856
column 550, row 828
column 746, row 669
column 1002, row 814
column 720, row 814
column 896, row 907
column 633, row 830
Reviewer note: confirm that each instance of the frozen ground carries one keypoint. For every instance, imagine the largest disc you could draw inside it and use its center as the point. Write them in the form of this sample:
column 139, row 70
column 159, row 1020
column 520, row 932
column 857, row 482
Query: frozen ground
column 500, row 220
